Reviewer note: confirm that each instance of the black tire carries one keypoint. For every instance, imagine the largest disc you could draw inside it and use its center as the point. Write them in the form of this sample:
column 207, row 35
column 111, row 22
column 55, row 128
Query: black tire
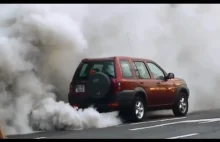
column 180, row 108
column 130, row 113
column 98, row 86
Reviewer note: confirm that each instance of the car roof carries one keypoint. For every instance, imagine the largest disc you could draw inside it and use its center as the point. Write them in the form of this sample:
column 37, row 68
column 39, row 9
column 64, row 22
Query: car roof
column 113, row 57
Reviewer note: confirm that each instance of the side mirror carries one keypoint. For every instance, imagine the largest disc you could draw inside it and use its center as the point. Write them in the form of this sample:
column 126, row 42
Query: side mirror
column 170, row 76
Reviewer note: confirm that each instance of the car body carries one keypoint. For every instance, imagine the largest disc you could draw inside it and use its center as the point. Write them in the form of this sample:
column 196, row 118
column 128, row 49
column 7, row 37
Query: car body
column 120, row 83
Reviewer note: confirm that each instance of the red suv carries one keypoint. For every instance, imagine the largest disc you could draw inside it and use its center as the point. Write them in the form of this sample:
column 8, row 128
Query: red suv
column 130, row 85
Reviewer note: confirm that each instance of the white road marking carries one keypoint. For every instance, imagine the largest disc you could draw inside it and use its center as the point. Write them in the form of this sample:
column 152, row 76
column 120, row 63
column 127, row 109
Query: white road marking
column 40, row 138
column 34, row 132
column 205, row 122
column 210, row 121
column 178, row 122
column 161, row 120
column 183, row 136
column 154, row 126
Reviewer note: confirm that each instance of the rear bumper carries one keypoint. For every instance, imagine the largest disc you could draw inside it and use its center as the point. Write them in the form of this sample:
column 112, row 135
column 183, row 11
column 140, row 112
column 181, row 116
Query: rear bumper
column 120, row 100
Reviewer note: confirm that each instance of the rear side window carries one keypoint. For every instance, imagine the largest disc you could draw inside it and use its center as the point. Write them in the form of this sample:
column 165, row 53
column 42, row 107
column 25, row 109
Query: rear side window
column 106, row 67
column 126, row 69
column 141, row 70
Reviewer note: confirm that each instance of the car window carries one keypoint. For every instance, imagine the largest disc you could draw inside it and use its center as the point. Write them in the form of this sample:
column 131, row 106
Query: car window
column 106, row 67
column 141, row 70
column 157, row 72
column 83, row 70
column 109, row 70
column 126, row 69
column 97, row 67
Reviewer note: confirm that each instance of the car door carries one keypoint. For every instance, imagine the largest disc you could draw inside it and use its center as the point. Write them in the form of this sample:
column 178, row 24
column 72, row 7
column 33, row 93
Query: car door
column 128, row 78
column 166, row 94
column 145, row 81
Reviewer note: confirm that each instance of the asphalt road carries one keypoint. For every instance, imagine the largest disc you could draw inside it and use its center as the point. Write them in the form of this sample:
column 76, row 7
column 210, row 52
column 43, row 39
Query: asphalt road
column 204, row 124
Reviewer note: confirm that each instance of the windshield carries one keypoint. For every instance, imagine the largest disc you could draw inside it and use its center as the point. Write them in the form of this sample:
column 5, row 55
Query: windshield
column 106, row 67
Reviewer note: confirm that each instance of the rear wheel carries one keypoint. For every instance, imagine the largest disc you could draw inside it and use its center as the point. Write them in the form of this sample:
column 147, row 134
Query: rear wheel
column 181, row 106
column 136, row 113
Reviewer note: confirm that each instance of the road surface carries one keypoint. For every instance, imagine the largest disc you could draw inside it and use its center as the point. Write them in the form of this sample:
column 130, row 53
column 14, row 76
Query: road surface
column 204, row 124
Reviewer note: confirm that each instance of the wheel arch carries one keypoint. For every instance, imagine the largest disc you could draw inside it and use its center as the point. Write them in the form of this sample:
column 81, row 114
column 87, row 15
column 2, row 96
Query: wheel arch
column 140, row 92
column 182, row 89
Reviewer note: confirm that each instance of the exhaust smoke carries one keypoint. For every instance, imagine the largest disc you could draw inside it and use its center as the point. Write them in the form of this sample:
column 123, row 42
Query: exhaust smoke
column 63, row 117
column 41, row 45
column 40, row 49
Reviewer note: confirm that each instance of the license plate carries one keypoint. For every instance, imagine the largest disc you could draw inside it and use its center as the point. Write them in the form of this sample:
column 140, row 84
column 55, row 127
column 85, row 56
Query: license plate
column 80, row 88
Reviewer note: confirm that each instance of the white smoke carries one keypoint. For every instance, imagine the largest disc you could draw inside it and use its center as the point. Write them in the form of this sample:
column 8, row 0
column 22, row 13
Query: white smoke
column 40, row 48
column 50, row 115
column 41, row 45
column 182, row 38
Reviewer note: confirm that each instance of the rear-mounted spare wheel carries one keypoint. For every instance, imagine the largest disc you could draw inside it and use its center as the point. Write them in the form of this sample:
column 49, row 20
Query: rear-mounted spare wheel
column 99, row 85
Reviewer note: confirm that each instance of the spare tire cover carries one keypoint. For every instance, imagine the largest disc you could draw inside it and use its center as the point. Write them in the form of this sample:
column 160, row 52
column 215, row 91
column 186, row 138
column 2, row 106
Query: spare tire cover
column 98, row 85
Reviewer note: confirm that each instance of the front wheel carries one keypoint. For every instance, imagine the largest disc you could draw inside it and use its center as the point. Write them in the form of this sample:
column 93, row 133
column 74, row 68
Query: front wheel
column 181, row 106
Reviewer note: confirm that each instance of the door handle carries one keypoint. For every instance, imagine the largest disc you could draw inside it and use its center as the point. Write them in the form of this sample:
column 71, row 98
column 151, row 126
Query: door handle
column 158, row 83
column 141, row 82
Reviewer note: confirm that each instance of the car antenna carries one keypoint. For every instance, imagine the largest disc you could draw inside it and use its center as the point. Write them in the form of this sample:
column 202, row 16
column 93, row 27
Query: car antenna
column 130, row 44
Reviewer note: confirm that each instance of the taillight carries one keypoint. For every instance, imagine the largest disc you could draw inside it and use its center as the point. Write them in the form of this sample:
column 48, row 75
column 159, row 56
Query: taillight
column 116, row 104
column 119, row 86
column 76, row 106
column 71, row 88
